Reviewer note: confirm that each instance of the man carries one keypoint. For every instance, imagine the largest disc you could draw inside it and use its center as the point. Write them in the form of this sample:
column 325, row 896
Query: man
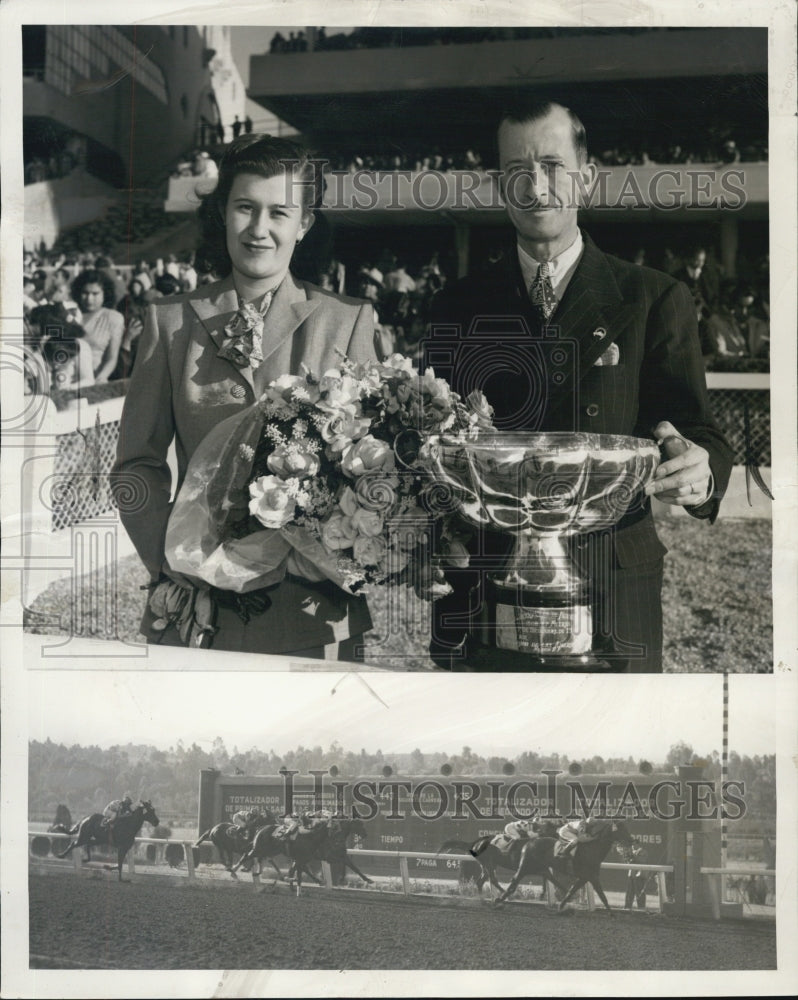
column 317, row 818
column 515, row 831
column 624, row 342
column 117, row 808
column 288, row 827
column 578, row 831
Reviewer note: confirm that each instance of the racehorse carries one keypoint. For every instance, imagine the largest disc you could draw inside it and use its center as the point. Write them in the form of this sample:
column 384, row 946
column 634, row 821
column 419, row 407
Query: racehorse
column 334, row 852
column 229, row 839
column 524, row 858
column 584, row 864
column 119, row 834
column 264, row 847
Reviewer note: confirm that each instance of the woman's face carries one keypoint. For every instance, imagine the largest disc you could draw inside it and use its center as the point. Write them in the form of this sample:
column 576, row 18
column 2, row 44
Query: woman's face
column 92, row 297
column 264, row 220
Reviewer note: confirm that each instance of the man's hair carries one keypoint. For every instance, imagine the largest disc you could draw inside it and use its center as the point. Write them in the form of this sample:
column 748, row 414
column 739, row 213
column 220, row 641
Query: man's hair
column 521, row 109
column 265, row 156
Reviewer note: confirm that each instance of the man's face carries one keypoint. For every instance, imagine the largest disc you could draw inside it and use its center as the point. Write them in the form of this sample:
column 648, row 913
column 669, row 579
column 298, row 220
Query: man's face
column 698, row 260
column 539, row 164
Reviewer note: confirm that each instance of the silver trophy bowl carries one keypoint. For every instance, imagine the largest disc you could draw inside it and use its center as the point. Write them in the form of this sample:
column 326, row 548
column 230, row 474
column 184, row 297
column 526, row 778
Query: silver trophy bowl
column 542, row 488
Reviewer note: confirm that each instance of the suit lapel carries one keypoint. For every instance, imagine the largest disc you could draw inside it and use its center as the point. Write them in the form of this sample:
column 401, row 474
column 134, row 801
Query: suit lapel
column 214, row 312
column 288, row 311
column 592, row 312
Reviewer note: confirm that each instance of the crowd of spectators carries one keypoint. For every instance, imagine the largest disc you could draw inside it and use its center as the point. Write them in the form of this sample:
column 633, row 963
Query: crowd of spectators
column 59, row 161
column 401, row 295
column 83, row 320
column 708, row 150
column 375, row 38
column 733, row 313
column 416, row 161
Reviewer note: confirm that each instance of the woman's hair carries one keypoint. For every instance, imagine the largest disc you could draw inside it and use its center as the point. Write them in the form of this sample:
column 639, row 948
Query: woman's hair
column 91, row 276
column 265, row 156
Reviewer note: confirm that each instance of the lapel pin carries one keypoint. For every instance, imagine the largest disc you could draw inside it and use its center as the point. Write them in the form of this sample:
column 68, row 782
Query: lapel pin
column 238, row 391
column 600, row 333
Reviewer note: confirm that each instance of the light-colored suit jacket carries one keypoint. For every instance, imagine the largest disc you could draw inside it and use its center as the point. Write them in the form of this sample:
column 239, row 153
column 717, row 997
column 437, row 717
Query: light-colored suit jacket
column 180, row 388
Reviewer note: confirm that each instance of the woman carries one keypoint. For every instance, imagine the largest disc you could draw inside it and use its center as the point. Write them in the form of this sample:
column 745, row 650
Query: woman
column 187, row 380
column 103, row 326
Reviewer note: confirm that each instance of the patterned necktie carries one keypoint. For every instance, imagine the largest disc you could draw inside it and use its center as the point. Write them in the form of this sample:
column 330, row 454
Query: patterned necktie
column 541, row 292
column 243, row 343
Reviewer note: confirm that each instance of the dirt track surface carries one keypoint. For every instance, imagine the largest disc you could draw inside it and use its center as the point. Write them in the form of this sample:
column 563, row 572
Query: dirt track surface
column 98, row 923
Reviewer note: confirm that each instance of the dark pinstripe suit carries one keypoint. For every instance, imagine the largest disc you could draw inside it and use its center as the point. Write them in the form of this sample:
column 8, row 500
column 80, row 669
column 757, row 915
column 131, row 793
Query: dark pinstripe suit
column 659, row 376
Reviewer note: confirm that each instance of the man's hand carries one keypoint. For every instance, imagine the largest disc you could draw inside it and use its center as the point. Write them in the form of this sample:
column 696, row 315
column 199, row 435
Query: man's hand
column 684, row 479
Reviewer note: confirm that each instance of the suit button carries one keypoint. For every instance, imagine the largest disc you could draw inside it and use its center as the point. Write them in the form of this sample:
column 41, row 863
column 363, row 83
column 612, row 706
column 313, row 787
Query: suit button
column 238, row 391
column 592, row 410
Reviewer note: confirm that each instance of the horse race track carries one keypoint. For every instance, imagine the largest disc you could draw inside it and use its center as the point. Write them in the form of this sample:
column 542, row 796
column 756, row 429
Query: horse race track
column 97, row 923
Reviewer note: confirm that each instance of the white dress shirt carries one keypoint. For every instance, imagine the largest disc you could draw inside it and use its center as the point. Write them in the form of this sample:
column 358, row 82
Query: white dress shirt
column 561, row 268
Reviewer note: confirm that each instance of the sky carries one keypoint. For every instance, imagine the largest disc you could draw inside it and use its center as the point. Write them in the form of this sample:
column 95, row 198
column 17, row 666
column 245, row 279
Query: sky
column 615, row 715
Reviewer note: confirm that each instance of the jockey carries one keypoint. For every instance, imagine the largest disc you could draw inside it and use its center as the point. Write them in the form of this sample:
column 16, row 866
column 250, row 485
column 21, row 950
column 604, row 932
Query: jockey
column 241, row 819
column 288, row 827
column 516, row 830
column 313, row 820
column 117, row 808
column 578, row 831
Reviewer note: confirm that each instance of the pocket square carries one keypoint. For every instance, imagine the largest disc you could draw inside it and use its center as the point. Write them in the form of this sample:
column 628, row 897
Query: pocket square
column 610, row 357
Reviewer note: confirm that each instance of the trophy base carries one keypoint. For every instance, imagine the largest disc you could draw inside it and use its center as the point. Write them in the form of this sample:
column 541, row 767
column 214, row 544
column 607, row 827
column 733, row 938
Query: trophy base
column 479, row 658
column 546, row 624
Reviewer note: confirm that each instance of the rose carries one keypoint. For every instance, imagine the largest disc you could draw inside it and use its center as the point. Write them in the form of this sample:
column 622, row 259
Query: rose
column 480, row 408
column 398, row 363
column 337, row 390
column 367, row 455
column 344, row 426
column 290, row 460
column 369, row 551
column 367, row 522
column 282, row 388
column 271, row 503
column 338, row 532
column 455, row 553
column 348, row 501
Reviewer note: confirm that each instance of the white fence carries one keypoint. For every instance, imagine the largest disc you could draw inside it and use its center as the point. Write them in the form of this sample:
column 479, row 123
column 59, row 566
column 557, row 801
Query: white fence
column 402, row 859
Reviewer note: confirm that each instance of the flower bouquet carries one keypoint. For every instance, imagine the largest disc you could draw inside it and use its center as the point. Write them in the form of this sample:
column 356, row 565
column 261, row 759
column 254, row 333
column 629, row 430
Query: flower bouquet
column 325, row 477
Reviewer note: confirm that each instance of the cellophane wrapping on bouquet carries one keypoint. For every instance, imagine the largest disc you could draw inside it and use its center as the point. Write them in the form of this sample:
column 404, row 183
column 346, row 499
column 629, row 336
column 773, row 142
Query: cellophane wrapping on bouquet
column 324, row 477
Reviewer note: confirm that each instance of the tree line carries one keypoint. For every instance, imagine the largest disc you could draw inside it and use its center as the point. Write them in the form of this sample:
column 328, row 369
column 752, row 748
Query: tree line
column 87, row 778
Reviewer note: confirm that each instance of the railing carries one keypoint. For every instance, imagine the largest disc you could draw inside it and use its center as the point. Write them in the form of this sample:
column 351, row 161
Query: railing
column 402, row 857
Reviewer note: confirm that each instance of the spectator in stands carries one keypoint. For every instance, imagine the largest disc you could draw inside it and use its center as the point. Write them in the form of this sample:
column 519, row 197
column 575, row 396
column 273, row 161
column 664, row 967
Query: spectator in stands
column 167, row 284
column 133, row 307
column 704, row 284
column 725, row 338
column 29, row 299
column 68, row 360
column 104, row 263
column 103, row 326
column 398, row 280
column 36, row 369
column 755, row 328
column 188, row 276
